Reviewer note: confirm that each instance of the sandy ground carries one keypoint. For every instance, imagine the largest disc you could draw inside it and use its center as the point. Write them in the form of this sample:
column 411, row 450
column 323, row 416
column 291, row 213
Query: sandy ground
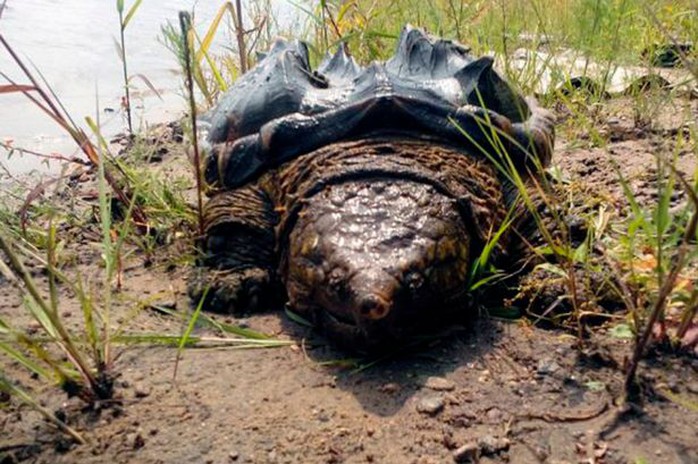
column 506, row 391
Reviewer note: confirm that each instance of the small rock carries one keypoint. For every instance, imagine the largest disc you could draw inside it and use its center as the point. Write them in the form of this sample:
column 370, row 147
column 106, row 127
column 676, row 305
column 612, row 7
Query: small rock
column 541, row 450
column 692, row 387
column 140, row 392
column 431, row 405
column 167, row 304
column 490, row 445
column 673, row 384
column 137, row 441
column 494, row 415
column 439, row 384
column 470, row 452
column 547, row 366
column 233, row 456
column 389, row 388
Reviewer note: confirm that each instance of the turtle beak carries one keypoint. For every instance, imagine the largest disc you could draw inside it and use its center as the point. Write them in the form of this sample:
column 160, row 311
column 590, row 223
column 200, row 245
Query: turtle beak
column 371, row 293
column 373, row 307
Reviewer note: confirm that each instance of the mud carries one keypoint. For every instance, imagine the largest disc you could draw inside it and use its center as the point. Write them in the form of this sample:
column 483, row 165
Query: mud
column 498, row 391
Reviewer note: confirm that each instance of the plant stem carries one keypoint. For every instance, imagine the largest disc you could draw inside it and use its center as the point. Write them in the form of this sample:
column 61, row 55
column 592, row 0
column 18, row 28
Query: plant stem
column 127, row 105
column 240, row 34
column 658, row 309
column 185, row 25
column 6, row 385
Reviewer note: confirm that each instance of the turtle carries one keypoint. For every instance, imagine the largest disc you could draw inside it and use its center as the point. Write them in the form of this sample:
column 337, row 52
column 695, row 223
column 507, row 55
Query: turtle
column 362, row 196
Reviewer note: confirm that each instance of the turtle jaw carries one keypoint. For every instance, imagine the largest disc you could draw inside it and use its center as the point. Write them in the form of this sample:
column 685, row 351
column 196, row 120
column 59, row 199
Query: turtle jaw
column 375, row 260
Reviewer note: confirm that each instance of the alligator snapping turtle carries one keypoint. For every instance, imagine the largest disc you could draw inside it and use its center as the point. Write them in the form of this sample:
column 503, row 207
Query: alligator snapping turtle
column 365, row 193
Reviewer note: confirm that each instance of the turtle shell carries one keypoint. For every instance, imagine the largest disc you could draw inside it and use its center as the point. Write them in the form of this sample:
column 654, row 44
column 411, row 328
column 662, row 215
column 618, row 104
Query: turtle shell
column 430, row 89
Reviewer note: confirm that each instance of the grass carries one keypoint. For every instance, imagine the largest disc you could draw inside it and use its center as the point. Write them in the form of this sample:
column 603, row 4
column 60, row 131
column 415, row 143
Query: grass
column 80, row 358
column 649, row 252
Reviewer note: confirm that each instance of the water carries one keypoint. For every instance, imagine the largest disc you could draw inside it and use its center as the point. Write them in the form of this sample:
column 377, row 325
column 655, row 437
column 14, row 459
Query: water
column 72, row 43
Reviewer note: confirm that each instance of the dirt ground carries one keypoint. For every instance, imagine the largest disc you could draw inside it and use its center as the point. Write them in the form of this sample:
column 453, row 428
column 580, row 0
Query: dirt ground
column 506, row 391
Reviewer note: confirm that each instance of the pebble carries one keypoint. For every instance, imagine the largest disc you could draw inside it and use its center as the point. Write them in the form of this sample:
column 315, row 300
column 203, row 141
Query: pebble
column 169, row 304
column 494, row 415
column 136, row 439
column 139, row 391
column 439, row 384
column 547, row 366
column 692, row 387
column 490, row 445
column 431, row 405
column 470, row 452
column 389, row 388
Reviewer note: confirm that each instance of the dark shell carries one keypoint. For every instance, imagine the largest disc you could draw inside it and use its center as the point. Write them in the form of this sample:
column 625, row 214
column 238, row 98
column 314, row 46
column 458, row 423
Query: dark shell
column 430, row 88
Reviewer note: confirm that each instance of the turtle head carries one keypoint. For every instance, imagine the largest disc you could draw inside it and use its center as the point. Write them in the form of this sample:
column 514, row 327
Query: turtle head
column 373, row 261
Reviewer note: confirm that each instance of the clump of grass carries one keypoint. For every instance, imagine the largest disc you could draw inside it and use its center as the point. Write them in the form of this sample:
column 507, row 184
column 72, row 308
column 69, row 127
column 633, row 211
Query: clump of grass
column 670, row 238
column 91, row 377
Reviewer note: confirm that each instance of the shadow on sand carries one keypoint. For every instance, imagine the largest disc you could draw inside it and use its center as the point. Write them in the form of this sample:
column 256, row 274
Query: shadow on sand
column 382, row 383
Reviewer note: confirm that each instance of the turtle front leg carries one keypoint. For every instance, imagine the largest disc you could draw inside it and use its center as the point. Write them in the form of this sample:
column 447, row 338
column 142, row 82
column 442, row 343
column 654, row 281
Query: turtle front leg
column 236, row 268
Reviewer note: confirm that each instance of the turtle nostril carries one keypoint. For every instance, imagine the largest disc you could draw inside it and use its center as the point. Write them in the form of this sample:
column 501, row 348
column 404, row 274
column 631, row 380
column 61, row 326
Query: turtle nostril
column 374, row 307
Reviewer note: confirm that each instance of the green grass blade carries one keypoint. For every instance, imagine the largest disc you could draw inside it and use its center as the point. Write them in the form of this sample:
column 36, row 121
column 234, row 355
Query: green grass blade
column 217, row 76
column 297, row 318
column 189, row 330
column 10, row 388
column 212, row 29
column 200, row 342
column 24, row 361
column 131, row 12
column 221, row 326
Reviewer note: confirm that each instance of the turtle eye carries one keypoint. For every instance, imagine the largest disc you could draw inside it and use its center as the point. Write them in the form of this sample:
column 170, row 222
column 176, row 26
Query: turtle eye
column 414, row 280
column 337, row 280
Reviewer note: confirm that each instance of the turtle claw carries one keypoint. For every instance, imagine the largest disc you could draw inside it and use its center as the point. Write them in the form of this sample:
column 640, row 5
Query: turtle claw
column 234, row 291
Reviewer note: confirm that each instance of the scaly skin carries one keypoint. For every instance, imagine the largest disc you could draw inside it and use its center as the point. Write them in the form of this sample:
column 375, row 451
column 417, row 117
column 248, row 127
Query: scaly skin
column 370, row 238
column 373, row 259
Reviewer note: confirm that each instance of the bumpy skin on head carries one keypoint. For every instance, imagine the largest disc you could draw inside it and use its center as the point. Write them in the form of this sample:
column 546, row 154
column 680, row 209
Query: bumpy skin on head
column 373, row 259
